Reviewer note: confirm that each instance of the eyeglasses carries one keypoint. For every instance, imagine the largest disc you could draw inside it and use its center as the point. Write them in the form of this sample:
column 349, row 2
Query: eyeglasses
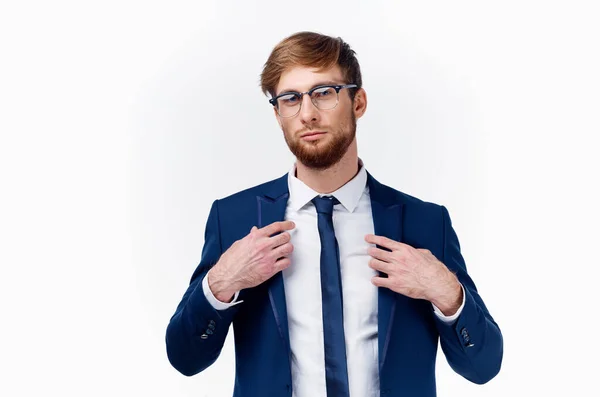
column 324, row 97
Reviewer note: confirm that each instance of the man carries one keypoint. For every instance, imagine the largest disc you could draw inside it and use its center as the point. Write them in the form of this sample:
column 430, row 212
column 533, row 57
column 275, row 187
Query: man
column 336, row 285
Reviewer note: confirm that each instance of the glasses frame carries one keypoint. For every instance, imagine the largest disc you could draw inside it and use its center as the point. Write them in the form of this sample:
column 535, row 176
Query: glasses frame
column 300, row 95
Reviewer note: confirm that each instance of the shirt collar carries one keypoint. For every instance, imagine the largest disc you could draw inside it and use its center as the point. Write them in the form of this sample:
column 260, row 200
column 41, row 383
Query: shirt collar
column 348, row 195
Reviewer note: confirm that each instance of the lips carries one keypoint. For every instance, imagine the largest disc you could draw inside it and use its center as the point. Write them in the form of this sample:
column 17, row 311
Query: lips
column 312, row 133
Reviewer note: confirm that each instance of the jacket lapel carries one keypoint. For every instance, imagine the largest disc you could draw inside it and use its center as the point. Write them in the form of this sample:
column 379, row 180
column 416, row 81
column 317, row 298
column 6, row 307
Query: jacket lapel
column 387, row 221
column 271, row 208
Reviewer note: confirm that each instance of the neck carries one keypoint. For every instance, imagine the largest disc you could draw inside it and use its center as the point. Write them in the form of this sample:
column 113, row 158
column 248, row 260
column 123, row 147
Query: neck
column 329, row 180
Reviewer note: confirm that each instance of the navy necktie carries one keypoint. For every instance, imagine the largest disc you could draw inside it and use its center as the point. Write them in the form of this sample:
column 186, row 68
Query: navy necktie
column 336, row 371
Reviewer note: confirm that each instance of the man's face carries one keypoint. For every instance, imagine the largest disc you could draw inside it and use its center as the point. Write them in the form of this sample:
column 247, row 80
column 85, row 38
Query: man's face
column 338, row 124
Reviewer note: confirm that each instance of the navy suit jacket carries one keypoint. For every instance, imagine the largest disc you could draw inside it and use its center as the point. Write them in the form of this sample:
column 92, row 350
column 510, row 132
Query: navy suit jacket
column 408, row 330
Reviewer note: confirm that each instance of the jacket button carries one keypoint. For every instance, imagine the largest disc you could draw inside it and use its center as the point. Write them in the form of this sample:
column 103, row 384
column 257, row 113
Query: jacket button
column 203, row 336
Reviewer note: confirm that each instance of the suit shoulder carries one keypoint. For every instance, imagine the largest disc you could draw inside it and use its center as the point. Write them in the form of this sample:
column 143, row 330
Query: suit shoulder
column 416, row 212
column 422, row 221
column 253, row 191
column 412, row 202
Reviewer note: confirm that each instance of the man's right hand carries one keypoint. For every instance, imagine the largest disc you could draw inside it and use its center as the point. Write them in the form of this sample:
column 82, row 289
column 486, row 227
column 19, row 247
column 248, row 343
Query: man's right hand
column 252, row 260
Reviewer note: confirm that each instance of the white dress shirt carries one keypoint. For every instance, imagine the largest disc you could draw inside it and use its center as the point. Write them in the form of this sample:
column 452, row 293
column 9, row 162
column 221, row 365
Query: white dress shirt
column 352, row 220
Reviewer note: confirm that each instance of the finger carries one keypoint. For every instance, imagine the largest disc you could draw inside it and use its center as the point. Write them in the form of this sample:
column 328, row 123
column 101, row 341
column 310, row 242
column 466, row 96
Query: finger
column 283, row 263
column 279, row 239
column 425, row 252
column 282, row 250
column 381, row 282
column 380, row 254
column 277, row 227
column 380, row 265
column 383, row 241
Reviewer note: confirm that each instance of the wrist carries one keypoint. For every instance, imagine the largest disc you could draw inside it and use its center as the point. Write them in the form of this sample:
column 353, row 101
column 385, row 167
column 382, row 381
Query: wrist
column 219, row 285
column 450, row 300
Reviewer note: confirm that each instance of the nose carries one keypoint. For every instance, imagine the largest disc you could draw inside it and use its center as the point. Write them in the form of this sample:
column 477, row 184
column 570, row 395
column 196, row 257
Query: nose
column 308, row 111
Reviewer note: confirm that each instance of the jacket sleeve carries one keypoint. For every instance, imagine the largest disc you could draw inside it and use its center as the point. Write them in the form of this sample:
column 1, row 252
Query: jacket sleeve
column 473, row 344
column 196, row 332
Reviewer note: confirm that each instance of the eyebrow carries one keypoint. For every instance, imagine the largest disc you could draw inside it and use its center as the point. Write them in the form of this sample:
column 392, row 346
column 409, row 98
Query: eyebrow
column 326, row 82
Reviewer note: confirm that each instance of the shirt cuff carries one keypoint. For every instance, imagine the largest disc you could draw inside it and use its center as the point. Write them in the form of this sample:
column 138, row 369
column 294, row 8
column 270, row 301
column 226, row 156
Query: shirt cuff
column 214, row 302
column 452, row 318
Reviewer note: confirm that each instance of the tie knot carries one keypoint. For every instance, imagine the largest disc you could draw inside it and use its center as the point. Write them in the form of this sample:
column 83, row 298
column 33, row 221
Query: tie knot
column 325, row 204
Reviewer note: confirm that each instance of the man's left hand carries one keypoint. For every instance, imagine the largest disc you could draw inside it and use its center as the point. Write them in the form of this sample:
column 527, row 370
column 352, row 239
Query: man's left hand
column 414, row 272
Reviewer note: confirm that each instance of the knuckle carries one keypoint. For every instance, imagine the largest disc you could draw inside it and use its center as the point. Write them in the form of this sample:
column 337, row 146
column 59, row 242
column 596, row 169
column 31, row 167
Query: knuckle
column 282, row 250
column 283, row 238
column 262, row 245
column 271, row 268
column 266, row 267
column 283, row 265
column 289, row 248
column 252, row 236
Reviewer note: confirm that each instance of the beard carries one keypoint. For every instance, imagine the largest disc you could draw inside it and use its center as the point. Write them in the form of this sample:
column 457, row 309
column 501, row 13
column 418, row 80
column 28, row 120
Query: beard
column 326, row 151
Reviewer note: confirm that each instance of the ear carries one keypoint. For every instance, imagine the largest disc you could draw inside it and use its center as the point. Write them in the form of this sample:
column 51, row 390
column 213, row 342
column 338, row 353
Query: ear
column 360, row 103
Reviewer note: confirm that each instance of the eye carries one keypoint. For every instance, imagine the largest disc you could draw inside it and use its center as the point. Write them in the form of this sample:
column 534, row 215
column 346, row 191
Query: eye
column 288, row 99
column 323, row 92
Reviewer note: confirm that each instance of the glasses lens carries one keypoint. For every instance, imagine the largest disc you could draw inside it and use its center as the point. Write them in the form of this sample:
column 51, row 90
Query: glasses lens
column 288, row 105
column 325, row 97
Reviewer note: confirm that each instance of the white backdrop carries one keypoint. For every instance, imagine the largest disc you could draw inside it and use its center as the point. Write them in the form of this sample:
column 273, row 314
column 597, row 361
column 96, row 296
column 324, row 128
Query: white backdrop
column 118, row 133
